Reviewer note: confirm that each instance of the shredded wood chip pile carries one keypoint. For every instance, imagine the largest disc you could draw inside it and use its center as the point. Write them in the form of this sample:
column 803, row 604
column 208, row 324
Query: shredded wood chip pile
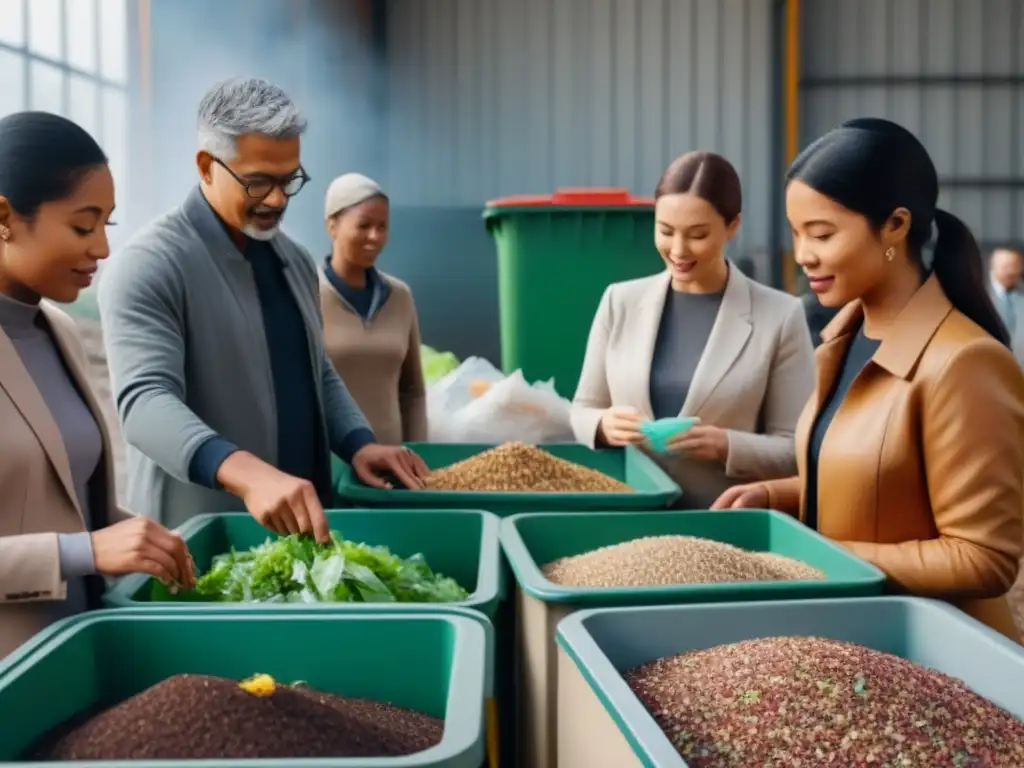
column 664, row 560
column 518, row 467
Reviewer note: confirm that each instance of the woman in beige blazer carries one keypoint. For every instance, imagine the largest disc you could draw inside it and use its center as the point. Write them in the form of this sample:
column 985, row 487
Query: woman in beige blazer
column 371, row 332
column 698, row 340
column 60, row 527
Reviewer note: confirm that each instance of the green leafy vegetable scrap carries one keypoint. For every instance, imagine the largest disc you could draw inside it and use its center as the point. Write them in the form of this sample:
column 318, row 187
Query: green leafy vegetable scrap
column 295, row 569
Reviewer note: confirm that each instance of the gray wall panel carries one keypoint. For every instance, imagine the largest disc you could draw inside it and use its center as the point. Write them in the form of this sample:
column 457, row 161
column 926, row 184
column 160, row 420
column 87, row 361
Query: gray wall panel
column 972, row 130
column 490, row 97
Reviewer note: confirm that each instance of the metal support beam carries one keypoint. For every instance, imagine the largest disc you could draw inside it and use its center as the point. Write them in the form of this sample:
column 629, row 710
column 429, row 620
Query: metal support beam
column 379, row 10
column 981, row 182
column 792, row 100
column 913, row 81
column 140, row 108
column 777, row 251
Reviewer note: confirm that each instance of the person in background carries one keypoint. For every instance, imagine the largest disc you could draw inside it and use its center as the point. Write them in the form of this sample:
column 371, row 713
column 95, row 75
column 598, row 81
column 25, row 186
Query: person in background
column 818, row 315
column 1006, row 266
column 60, row 526
column 212, row 323
column 699, row 339
column 911, row 450
column 371, row 332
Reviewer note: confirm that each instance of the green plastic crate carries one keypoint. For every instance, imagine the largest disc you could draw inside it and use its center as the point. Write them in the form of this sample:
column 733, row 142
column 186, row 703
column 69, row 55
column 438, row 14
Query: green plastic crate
column 654, row 489
column 586, row 238
column 462, row 544
column 604, row 725
column 432, row 662
column 530, row 541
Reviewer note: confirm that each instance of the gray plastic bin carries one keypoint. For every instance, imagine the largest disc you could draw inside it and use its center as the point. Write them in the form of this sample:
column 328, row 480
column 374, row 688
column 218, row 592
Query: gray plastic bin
column 602, row 724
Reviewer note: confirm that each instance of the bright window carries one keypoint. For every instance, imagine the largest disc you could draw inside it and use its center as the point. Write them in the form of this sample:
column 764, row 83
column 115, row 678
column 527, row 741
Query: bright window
column 71, row 57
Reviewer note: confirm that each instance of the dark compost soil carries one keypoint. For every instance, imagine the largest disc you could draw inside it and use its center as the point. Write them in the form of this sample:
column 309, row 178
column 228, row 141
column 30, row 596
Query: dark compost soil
column 192, row 717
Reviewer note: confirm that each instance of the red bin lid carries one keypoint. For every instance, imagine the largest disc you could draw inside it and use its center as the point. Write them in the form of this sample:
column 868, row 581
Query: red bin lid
column 577, row 197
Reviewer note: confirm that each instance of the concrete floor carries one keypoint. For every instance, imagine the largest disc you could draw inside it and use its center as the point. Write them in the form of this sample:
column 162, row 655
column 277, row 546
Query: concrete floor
column 93, row 339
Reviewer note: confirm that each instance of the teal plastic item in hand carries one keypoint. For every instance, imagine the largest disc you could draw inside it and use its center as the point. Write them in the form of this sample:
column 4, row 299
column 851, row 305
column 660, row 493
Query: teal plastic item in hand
column 660, row 431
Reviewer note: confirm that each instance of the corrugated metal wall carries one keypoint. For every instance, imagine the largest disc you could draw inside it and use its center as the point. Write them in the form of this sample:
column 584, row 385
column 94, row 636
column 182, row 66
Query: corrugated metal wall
column 493, row 97
column 949, row 70
column 319, row 52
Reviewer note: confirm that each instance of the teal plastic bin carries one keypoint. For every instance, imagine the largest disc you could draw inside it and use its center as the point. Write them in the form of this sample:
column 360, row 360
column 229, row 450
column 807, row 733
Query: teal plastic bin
column 462, row 544
column 337, row 468
column 436, row 663
column 604, row 725
column 653, row 488
column 531, row 541
column 584, row 238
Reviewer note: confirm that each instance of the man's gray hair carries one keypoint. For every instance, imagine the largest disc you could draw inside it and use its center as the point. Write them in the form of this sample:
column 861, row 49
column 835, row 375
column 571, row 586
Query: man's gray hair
column 238, row 106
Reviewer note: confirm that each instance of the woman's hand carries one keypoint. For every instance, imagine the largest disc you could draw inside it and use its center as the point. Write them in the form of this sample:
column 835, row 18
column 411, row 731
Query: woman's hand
column 620, row 426
column 140, row 545
column 701, row 441
column 749, row 496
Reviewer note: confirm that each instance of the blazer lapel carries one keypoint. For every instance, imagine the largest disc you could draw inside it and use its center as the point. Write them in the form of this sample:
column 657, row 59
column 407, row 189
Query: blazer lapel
column 729, row 335
column 78, row 367
column 17, row 382
column 648, row 323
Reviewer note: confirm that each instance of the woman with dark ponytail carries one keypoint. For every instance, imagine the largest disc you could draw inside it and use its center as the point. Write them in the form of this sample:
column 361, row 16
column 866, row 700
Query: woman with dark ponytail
column 911, row 449
column 61, row 530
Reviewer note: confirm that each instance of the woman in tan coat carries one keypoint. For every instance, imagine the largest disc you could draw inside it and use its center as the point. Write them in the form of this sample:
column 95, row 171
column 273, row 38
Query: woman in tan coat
column 371, row 332
column 60, row 526
column 911, row 449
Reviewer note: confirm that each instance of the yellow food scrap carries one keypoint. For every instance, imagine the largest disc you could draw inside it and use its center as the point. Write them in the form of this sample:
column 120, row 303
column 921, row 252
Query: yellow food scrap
column 259, row 685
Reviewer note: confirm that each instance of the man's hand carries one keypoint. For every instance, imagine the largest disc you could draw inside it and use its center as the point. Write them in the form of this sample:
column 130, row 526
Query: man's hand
column 373, row 463
column 280, row 502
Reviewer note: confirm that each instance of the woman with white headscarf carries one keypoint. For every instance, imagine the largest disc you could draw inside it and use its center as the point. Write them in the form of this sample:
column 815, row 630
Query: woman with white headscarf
column 370, row 328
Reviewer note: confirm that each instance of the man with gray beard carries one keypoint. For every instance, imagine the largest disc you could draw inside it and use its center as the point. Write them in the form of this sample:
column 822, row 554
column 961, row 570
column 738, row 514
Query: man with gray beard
column 213, row 333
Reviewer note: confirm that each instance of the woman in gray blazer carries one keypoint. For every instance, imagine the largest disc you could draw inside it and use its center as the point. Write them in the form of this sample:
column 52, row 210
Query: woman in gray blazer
column 700, row 340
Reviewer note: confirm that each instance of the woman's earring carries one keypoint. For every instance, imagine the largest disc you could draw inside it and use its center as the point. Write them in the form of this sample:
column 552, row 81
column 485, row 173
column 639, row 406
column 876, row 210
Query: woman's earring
column 890, row 253
column 5, row 234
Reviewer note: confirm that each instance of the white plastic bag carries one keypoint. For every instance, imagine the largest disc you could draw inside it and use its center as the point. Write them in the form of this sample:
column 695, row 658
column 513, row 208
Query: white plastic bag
column 476, row 403
column 460, row 387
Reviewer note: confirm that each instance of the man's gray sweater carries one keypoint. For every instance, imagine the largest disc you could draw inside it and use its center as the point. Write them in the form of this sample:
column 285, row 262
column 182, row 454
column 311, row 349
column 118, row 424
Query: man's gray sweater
column 189, row 360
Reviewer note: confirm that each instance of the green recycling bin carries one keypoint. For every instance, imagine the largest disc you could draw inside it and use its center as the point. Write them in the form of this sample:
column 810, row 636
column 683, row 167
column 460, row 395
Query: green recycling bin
column 436, row 663
column 556, row 255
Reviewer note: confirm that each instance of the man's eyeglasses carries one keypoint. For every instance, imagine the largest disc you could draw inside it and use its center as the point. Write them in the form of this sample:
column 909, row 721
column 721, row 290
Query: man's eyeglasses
column 260, row 187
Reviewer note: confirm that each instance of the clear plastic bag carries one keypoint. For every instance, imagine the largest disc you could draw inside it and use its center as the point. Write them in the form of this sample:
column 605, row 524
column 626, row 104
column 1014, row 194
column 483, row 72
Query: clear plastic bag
column 477, row 403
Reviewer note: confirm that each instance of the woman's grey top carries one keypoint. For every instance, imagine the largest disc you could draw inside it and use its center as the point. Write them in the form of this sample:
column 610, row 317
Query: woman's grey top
column 686, row 324
column 24, row 325
column 858, row 354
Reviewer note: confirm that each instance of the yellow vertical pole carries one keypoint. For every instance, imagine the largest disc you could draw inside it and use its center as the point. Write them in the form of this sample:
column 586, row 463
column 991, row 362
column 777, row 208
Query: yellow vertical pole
column 792, row 114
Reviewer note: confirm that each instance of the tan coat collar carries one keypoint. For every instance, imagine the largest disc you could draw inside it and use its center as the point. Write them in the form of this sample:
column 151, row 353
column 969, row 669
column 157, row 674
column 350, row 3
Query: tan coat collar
column 906, row 340
column 17, row 382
